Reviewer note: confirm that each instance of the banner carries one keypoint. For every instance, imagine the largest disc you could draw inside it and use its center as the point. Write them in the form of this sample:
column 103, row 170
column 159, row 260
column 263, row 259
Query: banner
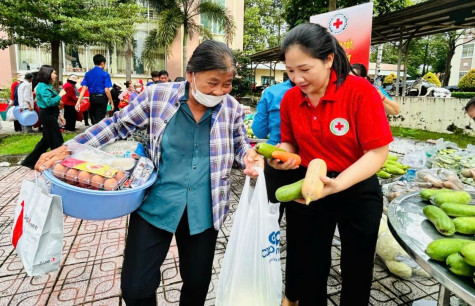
column 352, row 28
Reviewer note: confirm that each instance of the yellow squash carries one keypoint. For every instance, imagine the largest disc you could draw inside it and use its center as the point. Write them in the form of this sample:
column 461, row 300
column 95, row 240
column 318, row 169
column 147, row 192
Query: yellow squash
column 312, row 187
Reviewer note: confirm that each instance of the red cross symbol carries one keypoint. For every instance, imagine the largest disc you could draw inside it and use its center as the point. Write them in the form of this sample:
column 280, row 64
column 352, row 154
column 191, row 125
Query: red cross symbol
column 339, row 126
column 337, row 23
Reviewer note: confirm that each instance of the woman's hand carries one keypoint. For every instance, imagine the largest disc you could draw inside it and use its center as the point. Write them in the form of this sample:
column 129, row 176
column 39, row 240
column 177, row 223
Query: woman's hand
column 62, row 120
column 330, row 186
column 253, row 159
column 277, row 164
column 48, row 159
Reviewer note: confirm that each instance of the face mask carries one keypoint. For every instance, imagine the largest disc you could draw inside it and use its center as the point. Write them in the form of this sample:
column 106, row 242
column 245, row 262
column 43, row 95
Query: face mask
column 137, row 89
column 206, row 100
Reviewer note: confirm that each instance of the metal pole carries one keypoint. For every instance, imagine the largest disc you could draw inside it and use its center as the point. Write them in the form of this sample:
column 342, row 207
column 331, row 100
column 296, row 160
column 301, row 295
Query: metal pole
column 379, row 58
column 399, row 62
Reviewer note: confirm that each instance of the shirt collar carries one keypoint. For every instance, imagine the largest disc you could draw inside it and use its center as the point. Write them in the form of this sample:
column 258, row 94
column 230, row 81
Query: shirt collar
column 184, row 98
column 331, row 94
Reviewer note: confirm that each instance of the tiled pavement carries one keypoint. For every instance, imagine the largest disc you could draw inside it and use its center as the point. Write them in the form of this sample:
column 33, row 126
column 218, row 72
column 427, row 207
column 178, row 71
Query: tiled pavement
column 90, row 269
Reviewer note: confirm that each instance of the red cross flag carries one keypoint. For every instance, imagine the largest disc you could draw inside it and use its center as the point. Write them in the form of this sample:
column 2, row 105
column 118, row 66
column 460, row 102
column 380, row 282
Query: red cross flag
column 352, row 28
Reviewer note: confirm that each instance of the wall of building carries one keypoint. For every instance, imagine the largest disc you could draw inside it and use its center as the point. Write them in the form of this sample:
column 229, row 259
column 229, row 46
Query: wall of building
column 279, row 75
column 433, row 114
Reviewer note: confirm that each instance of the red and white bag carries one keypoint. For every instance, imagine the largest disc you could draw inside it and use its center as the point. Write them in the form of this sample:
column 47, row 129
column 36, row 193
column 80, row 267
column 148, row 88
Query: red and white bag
column 37, row 232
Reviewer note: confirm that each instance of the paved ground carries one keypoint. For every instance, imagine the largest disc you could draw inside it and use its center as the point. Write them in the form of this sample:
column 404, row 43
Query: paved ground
column 90, row 269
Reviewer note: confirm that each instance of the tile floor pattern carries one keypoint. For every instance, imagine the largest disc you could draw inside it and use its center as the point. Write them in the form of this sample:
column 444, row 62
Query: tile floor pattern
column 90, row 269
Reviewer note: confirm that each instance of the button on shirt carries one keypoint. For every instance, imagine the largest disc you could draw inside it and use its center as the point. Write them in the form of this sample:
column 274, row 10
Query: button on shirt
column 347, row 121
column 184, row 175
column 96, row 80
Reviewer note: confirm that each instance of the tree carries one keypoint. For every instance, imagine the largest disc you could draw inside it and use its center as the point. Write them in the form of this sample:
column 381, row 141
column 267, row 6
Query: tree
column 265, row 24
column 174, row 14
column 242, row 81
column 467, row 82
column 299, row 11
column 33, row 23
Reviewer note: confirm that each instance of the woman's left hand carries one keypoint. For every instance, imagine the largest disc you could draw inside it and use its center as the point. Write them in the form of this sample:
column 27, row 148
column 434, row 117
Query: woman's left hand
column 330, row 186
column 62, row 120
column 253, row 159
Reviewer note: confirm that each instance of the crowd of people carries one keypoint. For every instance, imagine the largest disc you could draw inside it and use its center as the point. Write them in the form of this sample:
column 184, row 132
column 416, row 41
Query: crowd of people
column 325, row 110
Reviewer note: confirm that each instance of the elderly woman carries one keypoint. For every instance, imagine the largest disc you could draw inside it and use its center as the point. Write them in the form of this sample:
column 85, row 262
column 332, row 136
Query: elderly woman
column 195, row 132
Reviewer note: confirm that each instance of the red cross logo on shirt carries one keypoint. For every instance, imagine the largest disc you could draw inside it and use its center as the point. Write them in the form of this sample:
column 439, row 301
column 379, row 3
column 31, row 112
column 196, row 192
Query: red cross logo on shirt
column 339, row 126
column 337, row 23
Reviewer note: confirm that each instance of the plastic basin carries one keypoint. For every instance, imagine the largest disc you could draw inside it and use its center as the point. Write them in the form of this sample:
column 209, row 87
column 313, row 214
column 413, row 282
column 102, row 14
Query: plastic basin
column 28, row 117
column 90, row 204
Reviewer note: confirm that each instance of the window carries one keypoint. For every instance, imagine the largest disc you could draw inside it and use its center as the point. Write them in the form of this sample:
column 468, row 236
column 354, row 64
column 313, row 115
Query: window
column 209, row 23
column 266, row 80
column 467, row 50
column 461, row 74
column 31, row 59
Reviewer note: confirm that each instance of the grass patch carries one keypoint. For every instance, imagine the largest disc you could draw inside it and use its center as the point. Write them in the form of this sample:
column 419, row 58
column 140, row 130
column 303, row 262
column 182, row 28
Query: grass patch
column 23, row 143
column 462, row 140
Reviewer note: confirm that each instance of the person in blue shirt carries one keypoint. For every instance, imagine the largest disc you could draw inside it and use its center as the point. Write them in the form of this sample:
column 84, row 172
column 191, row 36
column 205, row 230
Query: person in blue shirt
column 98, row 82
column 48, row 101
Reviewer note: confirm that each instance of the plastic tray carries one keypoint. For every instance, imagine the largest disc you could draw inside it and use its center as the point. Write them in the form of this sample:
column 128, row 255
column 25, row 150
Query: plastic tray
column 90, row 204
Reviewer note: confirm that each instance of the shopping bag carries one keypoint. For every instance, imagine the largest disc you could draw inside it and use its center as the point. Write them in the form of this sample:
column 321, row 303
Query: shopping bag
column 37, row 232
column 251, row 272
column 10, row 114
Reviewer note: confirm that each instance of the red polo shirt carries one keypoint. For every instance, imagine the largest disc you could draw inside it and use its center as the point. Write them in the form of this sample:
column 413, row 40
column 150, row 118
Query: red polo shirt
column 347, row 121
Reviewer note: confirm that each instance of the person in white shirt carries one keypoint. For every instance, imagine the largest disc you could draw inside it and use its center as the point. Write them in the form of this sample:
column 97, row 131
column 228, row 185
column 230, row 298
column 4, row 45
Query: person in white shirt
column 25, row 93
column 25, row 97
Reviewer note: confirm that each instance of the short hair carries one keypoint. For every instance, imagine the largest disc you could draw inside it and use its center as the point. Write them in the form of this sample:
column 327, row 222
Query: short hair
column 98, row 59
column 470, row 103
column 162, row 72
column 212, row 55
column 317, row 42
column 179, row 79
column 155, row 73
column 44, row 75
column 28, row 76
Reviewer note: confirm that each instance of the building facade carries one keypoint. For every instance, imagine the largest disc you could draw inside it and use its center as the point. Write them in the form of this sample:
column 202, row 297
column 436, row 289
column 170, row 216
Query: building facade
column 464, row 58
column 78, row 60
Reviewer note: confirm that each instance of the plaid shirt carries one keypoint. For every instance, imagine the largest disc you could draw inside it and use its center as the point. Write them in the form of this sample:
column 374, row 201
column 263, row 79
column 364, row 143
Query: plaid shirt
column 153, row 109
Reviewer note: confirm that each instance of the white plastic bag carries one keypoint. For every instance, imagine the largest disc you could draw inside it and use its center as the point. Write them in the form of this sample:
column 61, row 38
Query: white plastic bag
column 10, row 115
column 251, row 273
column 37, row 232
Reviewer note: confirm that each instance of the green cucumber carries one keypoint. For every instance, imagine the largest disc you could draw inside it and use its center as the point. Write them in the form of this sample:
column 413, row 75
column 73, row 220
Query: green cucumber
column 465, row 225
column 460, row 197
column 266, row 149
column 458, row 265
column 468, row 253
column 383, row 174
column 439, row 218
column 290, row 192
column 458, row 210
column 427, row 193
column 440, row 249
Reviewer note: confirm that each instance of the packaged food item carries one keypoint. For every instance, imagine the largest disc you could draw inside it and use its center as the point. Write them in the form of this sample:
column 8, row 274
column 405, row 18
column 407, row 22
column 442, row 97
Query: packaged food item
column 67, row 171
column 125, row 148
column 141, row 173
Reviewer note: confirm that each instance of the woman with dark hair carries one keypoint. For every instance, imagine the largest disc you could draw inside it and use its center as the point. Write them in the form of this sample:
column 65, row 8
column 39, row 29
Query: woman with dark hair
column 390, row 106
column 339, row 118
column 69, row 102
column 48, row 102
column 195, row 133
